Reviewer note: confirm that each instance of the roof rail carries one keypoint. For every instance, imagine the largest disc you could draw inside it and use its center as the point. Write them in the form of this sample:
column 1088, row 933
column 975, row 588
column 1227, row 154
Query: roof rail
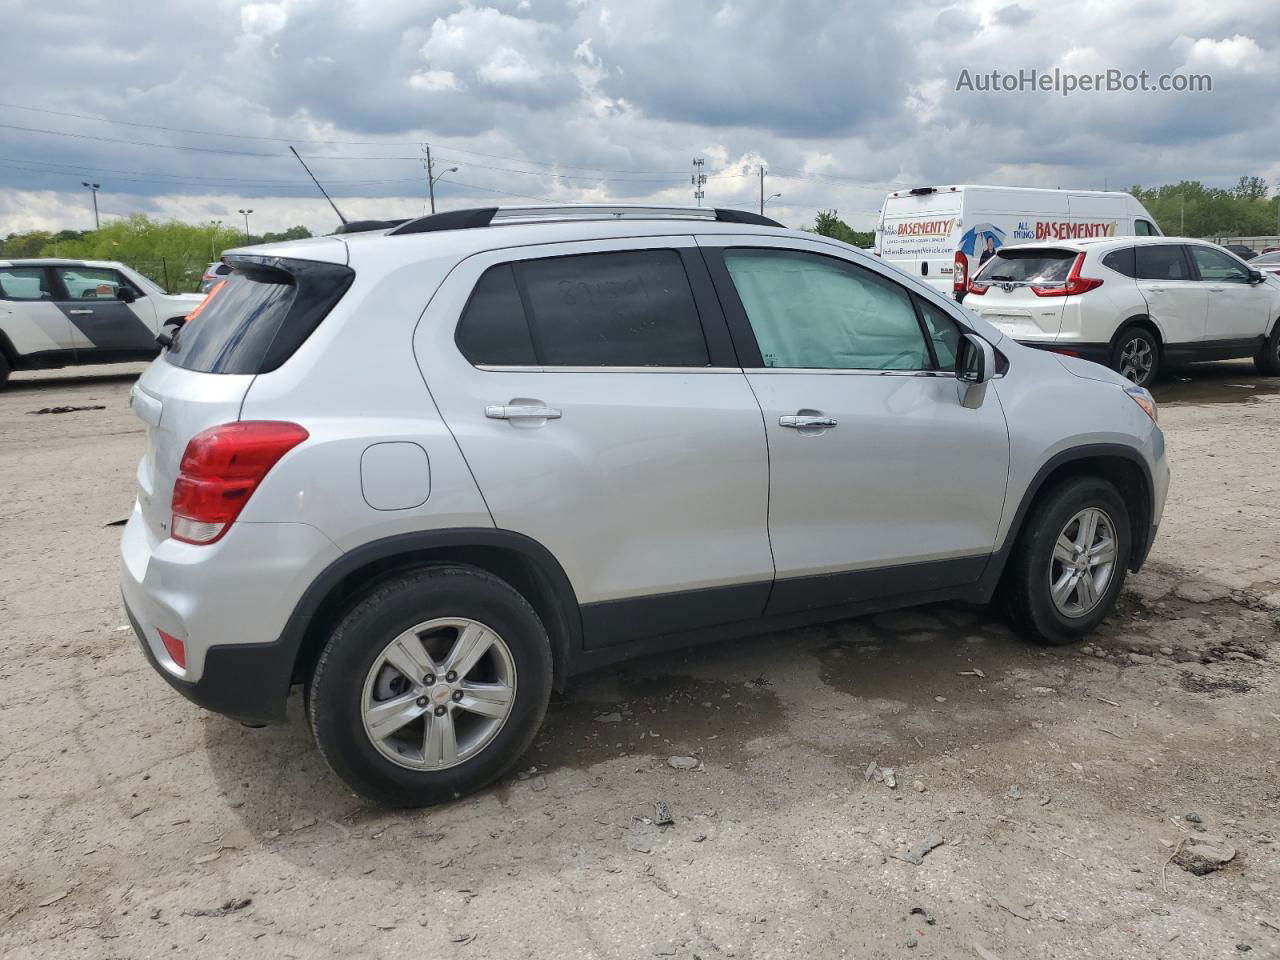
column 364, row 226
column 498, row 216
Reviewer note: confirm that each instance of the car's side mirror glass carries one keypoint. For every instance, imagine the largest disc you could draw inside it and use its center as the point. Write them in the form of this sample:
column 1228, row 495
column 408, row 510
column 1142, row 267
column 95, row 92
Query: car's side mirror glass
column 126, row 295
column 1255, row 276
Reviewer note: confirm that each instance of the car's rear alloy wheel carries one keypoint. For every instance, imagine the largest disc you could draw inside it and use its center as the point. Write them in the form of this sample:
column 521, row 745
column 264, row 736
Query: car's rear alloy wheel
column 1136, row 357
column 439, row 693
column 431, row 686
column 1084, row 558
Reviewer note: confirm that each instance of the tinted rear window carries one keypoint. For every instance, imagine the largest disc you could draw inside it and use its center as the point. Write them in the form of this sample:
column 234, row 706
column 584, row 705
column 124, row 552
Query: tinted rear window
column 1162, row 262
column 1026, row 266
column 629, row 308
column 255, row 318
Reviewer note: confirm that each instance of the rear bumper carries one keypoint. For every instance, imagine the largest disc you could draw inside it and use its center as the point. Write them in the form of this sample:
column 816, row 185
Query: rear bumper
column 232, row 605
column 1097, row 352
column 249, row 682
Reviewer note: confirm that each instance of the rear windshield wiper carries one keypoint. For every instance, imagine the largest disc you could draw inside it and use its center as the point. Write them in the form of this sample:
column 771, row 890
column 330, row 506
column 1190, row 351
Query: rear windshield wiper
column 166, row 340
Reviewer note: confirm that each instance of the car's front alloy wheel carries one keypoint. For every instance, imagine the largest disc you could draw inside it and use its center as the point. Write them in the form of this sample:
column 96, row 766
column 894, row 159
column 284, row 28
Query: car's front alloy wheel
column 1084, row 559
column 1068, row 564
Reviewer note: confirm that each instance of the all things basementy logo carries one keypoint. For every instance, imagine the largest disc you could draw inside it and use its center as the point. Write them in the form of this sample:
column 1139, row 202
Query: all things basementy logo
column 1062, row 230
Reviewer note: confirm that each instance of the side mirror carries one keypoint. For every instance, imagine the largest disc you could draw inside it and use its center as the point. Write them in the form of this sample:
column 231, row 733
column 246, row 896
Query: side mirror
column 977, row 361
column 126, row 295
column 975, row 366
column 1255, row 276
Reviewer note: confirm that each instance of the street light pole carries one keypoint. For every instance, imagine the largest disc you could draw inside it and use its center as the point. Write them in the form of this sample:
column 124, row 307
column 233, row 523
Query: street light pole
column 246, row 213
column 776, row 196
column 212, row 237
column 93, row 188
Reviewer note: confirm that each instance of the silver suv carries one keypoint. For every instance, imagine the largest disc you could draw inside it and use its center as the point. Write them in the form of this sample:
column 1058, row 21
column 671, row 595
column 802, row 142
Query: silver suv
column 434, row 470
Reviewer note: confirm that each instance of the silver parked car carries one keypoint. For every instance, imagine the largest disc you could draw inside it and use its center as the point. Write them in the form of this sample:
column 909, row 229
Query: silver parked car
column 432, row 471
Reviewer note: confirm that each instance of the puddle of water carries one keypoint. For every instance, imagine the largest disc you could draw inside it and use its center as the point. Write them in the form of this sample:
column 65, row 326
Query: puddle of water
column 1216, row 384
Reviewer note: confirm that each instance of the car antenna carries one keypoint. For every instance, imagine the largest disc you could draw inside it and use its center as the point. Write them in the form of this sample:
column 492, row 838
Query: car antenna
column 318, row 187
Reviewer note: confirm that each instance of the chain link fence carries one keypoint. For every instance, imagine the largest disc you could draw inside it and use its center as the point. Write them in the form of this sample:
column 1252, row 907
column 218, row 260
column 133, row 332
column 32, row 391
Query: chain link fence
column 173, row 274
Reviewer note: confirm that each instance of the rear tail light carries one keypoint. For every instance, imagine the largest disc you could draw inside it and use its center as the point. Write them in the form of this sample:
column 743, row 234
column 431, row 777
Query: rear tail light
column 176, row 648
column 221, row 468
column 960, row 274
column 1075, row 283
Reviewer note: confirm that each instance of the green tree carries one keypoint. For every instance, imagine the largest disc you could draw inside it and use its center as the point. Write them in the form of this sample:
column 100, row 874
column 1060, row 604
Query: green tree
column 1191, row 209
column 293, row 233
column 29, row 244
column 827, row 224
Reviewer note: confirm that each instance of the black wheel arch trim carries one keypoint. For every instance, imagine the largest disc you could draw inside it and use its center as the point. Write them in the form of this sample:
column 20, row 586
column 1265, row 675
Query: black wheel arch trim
column 1138, row 320
column 7, row 350
column 1145, row 532
column 566, row 635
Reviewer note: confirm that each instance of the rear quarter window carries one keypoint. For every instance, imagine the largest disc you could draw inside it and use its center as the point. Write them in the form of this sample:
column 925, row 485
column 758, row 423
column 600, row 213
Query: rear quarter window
column 257, row 316
column 1121, row 261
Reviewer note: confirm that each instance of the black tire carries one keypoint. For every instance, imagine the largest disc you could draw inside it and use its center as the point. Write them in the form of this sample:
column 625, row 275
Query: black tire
column 1025, row 588
column 4, row 371
column 1147, row 347
column 336, row 687
column 1267, row 359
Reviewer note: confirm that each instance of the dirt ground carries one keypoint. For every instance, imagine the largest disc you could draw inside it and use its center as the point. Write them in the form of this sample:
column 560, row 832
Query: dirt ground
column 1061, row 781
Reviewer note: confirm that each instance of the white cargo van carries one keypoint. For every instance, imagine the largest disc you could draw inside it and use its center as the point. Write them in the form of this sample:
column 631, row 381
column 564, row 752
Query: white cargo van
column 943, row 234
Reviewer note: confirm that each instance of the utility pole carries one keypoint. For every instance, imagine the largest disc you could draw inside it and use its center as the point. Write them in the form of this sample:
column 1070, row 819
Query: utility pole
column 245, row 214
column 1182, row 215
column 762, row 189
column 431, row 180
column 93, row 188
column 699, row 180
column 212, row 237
column 432, row 177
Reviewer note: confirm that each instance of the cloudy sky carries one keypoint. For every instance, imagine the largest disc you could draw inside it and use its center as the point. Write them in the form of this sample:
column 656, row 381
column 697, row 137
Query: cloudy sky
column 187, row 109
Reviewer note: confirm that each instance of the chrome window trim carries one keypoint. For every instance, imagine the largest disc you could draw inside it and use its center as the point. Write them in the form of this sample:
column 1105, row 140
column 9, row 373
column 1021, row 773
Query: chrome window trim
column 496, row 368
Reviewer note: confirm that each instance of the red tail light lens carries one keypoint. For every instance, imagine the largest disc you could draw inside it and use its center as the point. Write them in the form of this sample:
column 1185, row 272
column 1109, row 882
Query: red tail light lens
column 221, row 468
column 960, row 273
column 977, row 288
column 176, row 648
column 1075, row 283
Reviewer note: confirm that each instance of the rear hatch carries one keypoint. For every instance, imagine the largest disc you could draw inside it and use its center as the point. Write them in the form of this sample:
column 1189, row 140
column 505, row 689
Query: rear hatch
column 1004, row 291
column 250, row 323
column 919, row 233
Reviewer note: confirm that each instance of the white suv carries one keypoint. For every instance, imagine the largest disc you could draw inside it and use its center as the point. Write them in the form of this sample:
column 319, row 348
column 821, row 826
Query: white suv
column 433, row 471
column 1134, row 304
column 60, row 313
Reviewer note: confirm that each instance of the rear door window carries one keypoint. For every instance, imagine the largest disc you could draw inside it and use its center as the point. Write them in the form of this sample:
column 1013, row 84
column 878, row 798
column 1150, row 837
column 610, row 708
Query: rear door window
column 1029, row 266
column 1164, row 261
column 626, row 308
column 255, row 318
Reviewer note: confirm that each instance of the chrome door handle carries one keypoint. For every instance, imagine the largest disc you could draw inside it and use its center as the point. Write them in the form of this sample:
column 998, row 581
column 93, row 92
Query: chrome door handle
column 78, row 313
column 806, row 421
column 520, row 412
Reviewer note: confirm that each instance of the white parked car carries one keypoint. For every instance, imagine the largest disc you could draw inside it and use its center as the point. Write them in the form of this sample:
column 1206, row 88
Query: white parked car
column 1135, row 304
column 433, row 471
column 59, row 313
column 944, row 235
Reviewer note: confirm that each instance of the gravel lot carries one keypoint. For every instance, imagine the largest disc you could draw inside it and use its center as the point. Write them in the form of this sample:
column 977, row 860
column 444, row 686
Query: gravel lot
column 1061, row 781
